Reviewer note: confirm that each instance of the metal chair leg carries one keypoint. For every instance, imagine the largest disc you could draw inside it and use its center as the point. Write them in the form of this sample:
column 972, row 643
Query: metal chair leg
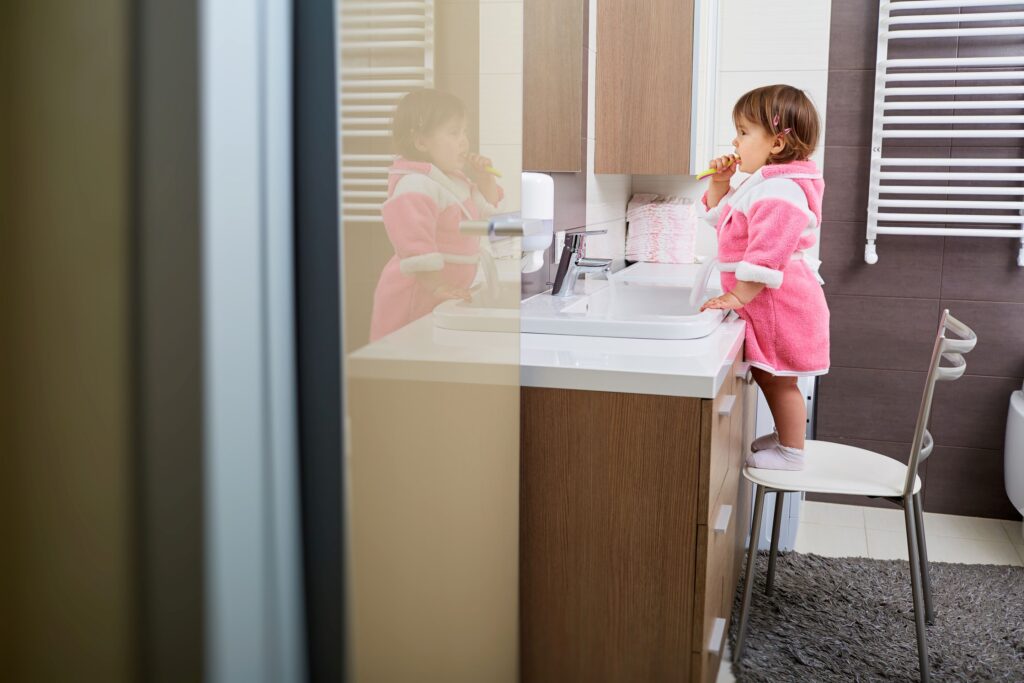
column 776, row 525
column 748, row 579
column 926, row 581
column 915, row 585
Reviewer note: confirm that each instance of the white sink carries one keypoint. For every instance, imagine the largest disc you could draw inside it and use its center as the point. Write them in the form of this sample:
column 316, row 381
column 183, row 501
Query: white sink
column 644, row 301
column 620, row 309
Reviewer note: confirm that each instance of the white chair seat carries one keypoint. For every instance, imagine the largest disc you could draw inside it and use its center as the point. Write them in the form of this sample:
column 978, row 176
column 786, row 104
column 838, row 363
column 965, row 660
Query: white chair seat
column 838, row 468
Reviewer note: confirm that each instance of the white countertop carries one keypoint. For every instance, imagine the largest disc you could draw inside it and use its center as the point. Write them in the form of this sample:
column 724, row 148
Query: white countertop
column 423, row 351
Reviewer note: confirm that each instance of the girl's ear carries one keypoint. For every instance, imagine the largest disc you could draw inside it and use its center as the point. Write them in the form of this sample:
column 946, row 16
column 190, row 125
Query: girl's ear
column 419, row 143
column 779, row 144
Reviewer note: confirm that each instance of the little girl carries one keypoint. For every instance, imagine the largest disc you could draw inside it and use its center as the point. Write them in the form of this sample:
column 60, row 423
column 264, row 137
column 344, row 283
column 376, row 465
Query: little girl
column 765, row 227
column 428, row 196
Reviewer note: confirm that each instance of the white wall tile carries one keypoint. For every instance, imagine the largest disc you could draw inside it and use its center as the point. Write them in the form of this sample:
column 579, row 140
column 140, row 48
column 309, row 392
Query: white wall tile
column 509, row 160
column 607, row 197
column 731, row 85
column 592, row 20
column 769, row 36
column 501, row 109
column 591, row 56
column 501, row 38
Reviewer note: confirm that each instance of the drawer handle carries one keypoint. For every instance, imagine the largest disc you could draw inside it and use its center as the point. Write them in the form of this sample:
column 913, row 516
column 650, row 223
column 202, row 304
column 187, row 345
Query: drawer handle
column 722, row 520
column 717, row 638
column 728, row 401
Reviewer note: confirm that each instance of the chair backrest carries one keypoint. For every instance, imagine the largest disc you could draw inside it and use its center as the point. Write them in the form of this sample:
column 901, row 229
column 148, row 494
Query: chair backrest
column 952, row 351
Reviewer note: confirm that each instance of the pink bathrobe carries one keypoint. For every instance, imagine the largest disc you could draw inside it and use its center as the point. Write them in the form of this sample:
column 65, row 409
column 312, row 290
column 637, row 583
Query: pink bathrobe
column 421, row 217
column 764, row 228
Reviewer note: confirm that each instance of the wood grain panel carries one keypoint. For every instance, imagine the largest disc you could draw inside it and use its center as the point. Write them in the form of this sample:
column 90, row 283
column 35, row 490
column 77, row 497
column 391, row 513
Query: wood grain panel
column 643, row 98
column 608, row 521
column 554, row 70
column 715, row 449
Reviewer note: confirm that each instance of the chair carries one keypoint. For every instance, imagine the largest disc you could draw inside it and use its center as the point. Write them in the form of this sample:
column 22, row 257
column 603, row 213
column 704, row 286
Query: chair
column 841, row 469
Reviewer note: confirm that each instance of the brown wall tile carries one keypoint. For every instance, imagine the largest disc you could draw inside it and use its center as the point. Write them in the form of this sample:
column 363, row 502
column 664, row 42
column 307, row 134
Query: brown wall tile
column 990, row 46
column 854, row 31
column 967, row 481
column 971, row 412
column 848, row 118
column 880, row 405
column 884, row 315
column 882, row 332
column 1000, row 330
column 907, row 266
column 846, row 184
column 981, row 269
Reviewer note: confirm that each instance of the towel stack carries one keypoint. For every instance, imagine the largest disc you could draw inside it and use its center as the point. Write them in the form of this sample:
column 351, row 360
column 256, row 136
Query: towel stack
column 661, row 229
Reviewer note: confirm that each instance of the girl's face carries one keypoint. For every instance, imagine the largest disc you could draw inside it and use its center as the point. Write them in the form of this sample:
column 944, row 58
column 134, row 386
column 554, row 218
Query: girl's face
column 447, row 145
column 754, row 144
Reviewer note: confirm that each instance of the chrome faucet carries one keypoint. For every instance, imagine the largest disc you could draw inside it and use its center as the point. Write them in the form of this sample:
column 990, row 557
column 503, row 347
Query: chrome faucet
column 573, row 263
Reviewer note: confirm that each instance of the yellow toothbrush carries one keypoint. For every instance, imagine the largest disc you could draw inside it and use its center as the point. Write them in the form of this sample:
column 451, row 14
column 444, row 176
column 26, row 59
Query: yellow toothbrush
column 493, row 171
column 711, row 171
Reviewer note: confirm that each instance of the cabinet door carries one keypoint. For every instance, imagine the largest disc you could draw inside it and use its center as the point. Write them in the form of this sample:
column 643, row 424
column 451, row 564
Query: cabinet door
column 554, row 71
column 644, row 75
column 607, row 535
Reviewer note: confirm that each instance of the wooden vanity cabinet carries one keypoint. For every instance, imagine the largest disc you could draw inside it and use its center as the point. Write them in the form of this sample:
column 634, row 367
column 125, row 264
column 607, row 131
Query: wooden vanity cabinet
column 644, row 86
column 632, row 516
column 554, row 75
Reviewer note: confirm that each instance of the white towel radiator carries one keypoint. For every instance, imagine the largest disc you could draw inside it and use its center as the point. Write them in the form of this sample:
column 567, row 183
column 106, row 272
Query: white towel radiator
column 386, row 50
column 946, row 98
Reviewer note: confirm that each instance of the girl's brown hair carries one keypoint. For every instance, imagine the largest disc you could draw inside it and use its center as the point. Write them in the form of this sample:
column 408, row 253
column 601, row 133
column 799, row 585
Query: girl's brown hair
column 421, row 112
column 777, row 108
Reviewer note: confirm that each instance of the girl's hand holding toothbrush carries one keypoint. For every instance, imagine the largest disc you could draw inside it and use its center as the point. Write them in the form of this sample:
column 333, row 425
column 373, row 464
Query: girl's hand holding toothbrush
column 725, row 168
column 481, row 171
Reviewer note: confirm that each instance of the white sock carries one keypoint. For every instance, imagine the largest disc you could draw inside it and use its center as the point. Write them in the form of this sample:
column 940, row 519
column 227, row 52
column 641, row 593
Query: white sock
column 777, row 458
column 766, row 441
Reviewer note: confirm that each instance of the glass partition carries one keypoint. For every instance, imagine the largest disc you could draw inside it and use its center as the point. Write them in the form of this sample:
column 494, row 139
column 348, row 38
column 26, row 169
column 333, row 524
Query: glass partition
column 430, row 110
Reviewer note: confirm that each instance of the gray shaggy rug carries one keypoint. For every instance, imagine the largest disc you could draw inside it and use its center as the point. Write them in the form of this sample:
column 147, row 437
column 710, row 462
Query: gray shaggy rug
column 851, row 619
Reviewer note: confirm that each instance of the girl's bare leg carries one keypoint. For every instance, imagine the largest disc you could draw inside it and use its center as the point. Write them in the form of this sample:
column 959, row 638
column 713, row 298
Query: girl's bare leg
column 787, row 404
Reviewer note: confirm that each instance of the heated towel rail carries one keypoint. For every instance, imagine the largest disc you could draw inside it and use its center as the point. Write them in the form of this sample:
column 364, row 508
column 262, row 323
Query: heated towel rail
column 386, row 50
column 949, row 100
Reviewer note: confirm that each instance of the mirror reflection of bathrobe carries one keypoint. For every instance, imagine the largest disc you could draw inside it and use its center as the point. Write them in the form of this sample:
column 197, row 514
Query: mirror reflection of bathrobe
column 765, row 227
column 421, row 217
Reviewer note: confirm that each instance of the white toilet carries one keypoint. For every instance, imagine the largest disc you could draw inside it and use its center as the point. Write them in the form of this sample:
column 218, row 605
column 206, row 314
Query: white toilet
column 1013, row 466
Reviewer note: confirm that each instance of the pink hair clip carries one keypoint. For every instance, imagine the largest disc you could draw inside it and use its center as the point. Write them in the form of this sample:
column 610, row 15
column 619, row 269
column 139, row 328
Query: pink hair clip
column 786, row 131
column 775, row 121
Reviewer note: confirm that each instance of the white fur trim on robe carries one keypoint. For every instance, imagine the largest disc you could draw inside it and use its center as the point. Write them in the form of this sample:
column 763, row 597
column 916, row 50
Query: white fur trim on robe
column 751, row 272
column 422, row 263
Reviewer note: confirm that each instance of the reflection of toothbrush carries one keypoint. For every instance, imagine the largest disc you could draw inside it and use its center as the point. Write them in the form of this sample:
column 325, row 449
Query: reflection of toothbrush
column 493, row 171
column 711, row 171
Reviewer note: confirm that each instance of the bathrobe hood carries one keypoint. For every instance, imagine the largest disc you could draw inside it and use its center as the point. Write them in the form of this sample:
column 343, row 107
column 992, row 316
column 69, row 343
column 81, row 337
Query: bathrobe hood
column 805, row 174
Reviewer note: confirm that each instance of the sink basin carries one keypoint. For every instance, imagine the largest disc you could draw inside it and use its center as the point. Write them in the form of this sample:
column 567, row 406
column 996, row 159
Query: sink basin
column 644, row 301
column 620, row 309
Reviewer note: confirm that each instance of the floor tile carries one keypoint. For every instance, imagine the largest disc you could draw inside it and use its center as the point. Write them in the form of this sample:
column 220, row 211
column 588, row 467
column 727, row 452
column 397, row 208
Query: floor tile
column 884, row 519
column 970, row 551
column 830, row 540
column 833, row 514
column 887, row 545
column 725, row 670
column 956, row 526
column 1015, row 530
